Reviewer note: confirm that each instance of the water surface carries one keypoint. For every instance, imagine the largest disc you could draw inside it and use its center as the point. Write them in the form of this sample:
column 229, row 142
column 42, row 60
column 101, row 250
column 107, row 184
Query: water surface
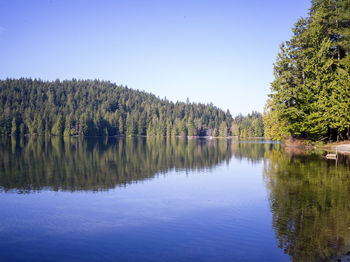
column 161, row 199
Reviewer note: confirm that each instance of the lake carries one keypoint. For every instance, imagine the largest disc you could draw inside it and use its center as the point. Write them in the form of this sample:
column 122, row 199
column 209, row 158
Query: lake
column 170, row 199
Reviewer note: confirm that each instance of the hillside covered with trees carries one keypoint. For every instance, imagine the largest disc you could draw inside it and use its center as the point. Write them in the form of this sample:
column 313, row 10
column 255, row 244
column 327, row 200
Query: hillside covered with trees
column 310, row 96
column 99, row 108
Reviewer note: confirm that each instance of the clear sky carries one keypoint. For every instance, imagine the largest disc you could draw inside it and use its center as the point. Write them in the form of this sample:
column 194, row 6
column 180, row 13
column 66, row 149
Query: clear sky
column 205, row 50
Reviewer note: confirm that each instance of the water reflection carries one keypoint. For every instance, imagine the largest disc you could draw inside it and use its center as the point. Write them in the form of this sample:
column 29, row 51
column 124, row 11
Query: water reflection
column 101, row 164
column 310, row 203
column 309, row 196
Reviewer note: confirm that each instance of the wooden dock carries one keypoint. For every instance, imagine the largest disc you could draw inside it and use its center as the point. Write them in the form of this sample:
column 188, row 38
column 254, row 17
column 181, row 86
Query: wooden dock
column 331, row 156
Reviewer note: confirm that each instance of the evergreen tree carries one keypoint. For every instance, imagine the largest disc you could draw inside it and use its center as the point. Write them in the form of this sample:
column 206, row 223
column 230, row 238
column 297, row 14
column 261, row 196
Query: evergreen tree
column 58, row 127
column 223, row 129
column 99, row 108
column 310, row 93
column 67, row 127
column 121, row 126
column 14, row 129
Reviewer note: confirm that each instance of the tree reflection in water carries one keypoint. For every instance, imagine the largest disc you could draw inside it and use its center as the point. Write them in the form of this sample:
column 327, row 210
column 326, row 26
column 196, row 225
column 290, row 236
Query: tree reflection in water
column 100, row 163
column 310, row 203
column 309, row 196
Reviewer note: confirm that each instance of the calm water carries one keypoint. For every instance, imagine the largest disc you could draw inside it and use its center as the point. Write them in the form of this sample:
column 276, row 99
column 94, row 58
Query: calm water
column 170, row 200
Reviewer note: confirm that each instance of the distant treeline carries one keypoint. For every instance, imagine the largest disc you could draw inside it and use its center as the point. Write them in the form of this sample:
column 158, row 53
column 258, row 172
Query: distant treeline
column 311, row 92
column 248, row 126
column 100, row 108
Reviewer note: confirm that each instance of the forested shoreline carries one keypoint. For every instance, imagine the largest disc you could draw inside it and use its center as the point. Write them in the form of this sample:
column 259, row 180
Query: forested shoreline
column 310, row 96
column 101, row 108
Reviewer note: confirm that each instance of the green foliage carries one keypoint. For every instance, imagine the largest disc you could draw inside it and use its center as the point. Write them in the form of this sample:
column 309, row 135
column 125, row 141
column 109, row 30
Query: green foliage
column 248, row 126
column 98, row 108
column 67, row 127
column 310, row 94
column 223, row 130
column 14, row 129
column 58, row 127
column 274, row 127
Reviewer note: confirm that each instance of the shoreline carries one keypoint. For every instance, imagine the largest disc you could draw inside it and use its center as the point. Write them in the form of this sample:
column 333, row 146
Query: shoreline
column 339, row 147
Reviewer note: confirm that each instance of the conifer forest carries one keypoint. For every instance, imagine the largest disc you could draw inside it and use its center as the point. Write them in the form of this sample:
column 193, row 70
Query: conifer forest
column 100, row 108
column 310, row 95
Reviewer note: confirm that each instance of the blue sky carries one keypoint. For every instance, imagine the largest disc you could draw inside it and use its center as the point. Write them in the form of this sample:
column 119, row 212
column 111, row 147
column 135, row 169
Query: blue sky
column 207, row 51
